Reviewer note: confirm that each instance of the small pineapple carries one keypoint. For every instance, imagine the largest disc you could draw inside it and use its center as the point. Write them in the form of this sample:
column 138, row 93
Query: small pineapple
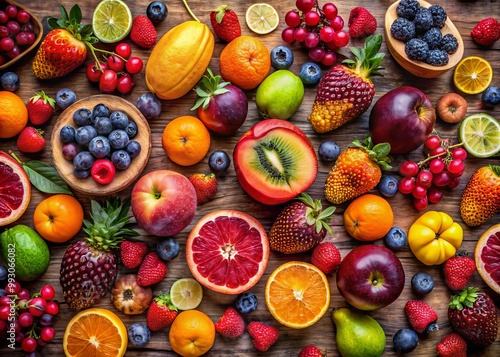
column 89, row 266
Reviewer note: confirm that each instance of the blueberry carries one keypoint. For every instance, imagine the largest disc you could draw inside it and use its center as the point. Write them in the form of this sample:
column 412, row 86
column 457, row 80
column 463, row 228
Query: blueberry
column 83, row 161
column 281, row 57
column 395, row 239
column 219, row 161
column 67, row 134
column 388, row 186
column 422, row 283
column 69, row 151
column 118, row 139
column 491, row 97
column 3, row 273
column 100, row 147
column 65, row 97
column 2, row 292
column 10, row 81
column 81, row 174
column 328, row 151
column 100, row 110
column 131, row 129
column 84, row 134
column 246, row 303
column 168, row 248
column 310, row 73
column 156, row 11
column 133, row 148
column 119, row 119
column 82, row 117
column 138, row 334
column 149, row 105
column 103, row 125
column 121, row 159
column 405, row 340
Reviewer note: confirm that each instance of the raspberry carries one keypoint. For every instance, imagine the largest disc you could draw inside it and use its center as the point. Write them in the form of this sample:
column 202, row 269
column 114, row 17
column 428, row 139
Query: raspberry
column 403, row 29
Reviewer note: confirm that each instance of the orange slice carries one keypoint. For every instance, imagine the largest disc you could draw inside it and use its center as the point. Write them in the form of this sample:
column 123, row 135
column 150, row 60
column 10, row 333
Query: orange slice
column 473, row 75
column 486, row 255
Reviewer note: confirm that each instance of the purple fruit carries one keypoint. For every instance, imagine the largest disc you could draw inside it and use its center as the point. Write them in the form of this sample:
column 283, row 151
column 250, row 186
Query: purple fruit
column 70, row 150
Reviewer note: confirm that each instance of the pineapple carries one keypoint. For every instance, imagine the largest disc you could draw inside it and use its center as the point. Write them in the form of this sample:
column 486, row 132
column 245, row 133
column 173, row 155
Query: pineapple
column 89, row 266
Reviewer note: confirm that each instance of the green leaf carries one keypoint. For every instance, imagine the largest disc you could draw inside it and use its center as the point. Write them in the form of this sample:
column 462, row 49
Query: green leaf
column 45, row 178
column 64, row 13
column 75, row 14
column 382, row 149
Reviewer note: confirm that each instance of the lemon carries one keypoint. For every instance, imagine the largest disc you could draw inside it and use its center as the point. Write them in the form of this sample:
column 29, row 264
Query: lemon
column 262, row 18
column 480, row 134
column 186, row 293
column 112, row 21
column 473, row 75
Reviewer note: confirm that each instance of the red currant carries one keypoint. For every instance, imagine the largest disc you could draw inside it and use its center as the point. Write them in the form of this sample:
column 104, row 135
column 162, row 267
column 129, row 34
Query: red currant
column 305, row 5
column 47, row 334
column 406, row 185
column 311, row 18
column 441, row 179
column 438, row 151
column 455, row 181
column 108, row 81
column 300, row 34
column 4, row 312
column 419, row 191
column 5, row 300
column 29, row 344
column 23, row 294
column 435, row 195
column 341, row 38
column 287, row 35
column 329, row 58
column 420, row 203
column 292, row 18
column 436, row 165
column 52, row 308
column 326, row 33
column 47, row 292
column 26, row 319
column 459, row 153
column 409, row 168
column 330, row 10
column 456, row 167
column 432, row 142
column 124, row 50
column 424, row 179
column 37, row 306
column 13, row 288
column 337, row 23
column 134, row 65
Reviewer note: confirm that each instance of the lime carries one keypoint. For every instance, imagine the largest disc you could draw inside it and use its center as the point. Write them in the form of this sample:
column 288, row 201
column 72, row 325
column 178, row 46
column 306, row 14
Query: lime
column 112, row 21
column 480, row 134
column 186, row 294
column 262, row 18
column 473, row 75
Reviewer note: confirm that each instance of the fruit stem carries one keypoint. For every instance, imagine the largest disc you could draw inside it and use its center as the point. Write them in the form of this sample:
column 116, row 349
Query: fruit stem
column 11, row 153
column 97, row 62
column 189, row 10
column 428, row 158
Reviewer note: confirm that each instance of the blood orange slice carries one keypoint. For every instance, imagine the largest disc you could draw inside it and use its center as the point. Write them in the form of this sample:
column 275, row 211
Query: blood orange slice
column 486, row 255
column 227, row 251
column 15, row 190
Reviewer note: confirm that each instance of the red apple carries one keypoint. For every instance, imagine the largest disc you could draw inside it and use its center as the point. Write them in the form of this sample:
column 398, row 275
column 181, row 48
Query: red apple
column 370, row 277
column 163, row 202
column 403, row 117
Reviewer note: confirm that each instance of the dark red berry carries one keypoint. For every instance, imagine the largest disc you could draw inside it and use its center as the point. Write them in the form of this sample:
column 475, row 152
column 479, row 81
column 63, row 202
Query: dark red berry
column 103, row 171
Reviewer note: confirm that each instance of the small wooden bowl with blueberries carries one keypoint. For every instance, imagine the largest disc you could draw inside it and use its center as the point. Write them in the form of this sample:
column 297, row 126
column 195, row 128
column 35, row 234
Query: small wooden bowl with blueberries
column 422, row 38
column 100, row 145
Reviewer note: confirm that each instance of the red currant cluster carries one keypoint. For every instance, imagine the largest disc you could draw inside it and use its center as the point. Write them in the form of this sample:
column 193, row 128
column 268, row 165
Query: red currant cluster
column 116, row 72
column 27, row 321
column 427, row 179
column 320, row 30
column 16, row 32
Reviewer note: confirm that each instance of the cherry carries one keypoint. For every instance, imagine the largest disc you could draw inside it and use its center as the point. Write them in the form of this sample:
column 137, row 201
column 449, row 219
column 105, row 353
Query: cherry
column 47, row 334
column 29, row 344
column 94, row 73
column 11, row 11
column 3, row 17
column 406, row 185
column 52, row 308
column 26, row 319
column 115, row 63
column 23, row 16
column 409, row 168
column 134, row 65
column 420, row 203
column 37, row 306
column 47, row 292
column 125, row 84
column 103, row 171
column 124, row 50
column 108, row 81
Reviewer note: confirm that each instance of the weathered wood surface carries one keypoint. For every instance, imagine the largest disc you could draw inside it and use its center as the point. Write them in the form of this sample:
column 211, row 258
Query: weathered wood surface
column 465, row 14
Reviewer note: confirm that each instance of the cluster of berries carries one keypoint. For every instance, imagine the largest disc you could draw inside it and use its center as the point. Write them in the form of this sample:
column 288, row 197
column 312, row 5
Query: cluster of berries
column 16, row 32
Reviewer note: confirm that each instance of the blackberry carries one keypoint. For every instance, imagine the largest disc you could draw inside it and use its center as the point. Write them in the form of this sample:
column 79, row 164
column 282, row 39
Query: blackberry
column 403, row 29
column 423, row 20
column 433, row 38
column 408, row 9
column 417, row 49
column 438, row 16
column 449, row 44
column 437, row 58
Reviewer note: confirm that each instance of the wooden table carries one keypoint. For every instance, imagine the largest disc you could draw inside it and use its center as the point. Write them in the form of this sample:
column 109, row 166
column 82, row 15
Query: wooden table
column 464, row 13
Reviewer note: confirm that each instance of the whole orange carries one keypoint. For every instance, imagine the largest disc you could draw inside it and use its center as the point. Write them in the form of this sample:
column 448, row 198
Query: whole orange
column 245, row 62
column 186, row 140
column 192, row 333
column 13, row 114
column 369, row 217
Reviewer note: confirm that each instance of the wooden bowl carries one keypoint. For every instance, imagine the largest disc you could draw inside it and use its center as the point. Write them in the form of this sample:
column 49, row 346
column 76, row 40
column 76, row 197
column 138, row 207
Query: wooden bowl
column 37, row 30
column 123, row 178
column 418, row 68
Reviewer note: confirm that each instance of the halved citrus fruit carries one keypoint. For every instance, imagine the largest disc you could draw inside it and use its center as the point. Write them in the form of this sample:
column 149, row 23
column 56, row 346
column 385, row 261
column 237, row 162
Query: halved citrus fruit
column 262, row 18
column 15, row 190
column 186, row 293
column 486, row 255
column 112, row 21
column 297, row 294
column 95, row 332
column 227, row 251
column 480, row 134
column 473, row 75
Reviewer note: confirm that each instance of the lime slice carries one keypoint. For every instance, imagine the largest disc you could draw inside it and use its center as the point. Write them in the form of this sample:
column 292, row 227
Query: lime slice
column 480, row 134
column 186, row 294
column 112, row 21
column 262, row 18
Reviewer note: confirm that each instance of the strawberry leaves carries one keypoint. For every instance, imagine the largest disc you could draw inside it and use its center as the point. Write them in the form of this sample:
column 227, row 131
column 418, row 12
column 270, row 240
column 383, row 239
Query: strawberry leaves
column 378, row 153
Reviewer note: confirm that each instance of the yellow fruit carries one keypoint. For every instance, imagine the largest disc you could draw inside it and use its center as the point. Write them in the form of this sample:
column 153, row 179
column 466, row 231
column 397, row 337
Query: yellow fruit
column 262, row 18
column 186, row 294
column 112, row 21
column 192, row 333
column 473, row 75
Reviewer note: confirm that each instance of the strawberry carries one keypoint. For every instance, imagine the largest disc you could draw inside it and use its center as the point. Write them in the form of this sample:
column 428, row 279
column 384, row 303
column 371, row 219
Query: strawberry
column 361, row 22
column 205, row 187
column 225, row 23
column 473, row 316
column 132, row 253
column 230, row 324
column 481, row 196
column 344, row 93
column 143, row 32
column 263, row 335
column 357, row 170
column 452, row 345
column 310, row 351
column 40, row 108
column 161, row 313
column 422, row 316
column 486, row 32
column 326, row 257
column 300, row 226
column 152, row 270
column 31, row 140
column 458, row 270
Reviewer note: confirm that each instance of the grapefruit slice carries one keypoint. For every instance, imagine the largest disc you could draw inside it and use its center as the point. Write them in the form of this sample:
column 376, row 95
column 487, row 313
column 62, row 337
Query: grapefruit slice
column 15, row 190
column 227, row 251
column 486, row 255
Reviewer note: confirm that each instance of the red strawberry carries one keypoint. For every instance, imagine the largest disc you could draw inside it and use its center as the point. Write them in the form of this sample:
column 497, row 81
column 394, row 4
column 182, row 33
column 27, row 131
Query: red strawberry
column 225, row 23
column 205, row 187
column 452, row 345
column 326, row 257
column 151, row 271
column 361, row 22
column 422, row 316
column 263, row 335
column 132, row 253
column 161, row 313
column 486, row 32
column 230, row 324
column 310, row 351
column 31, row 140
column 458, row 270
column 40, row 108
column 143, row 32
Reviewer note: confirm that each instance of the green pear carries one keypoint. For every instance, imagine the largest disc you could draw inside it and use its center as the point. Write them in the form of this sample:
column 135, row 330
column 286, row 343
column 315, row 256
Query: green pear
column 358, row 334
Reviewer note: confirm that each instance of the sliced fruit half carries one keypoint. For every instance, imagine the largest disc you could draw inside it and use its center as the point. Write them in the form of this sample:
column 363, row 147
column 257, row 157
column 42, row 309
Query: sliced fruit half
column 112, row 21
column 480, row 134
column 227, row 251
column 486, row 255
column 473, row 75
column 262, row 18
column 186, row 294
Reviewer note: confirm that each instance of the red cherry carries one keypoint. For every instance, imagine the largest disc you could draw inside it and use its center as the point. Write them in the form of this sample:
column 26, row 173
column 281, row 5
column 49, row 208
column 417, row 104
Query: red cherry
column 52, row 308
column 115, row 63
column 29, row 345
column 134, row 65
column 47, row 292
column 124, row 50
column 37, row 306
column 103, row 171
column 94, row 74
column 108, row 81
column 125, row 84
column 47, row 334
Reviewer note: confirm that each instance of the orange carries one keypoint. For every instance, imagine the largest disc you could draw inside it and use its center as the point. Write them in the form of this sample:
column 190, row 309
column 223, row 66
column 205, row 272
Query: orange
column 369, row 217
column 297, row 294
column 13, row 115
column 186, row 140
column 245, row 62
column 473, row 75
column 192, row 333
column 95, row 332
column 486, row 255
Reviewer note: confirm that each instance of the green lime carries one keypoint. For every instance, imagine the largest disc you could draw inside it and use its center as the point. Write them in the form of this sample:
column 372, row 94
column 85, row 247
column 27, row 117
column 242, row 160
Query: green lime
column 480, row 134
column 112, row 21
